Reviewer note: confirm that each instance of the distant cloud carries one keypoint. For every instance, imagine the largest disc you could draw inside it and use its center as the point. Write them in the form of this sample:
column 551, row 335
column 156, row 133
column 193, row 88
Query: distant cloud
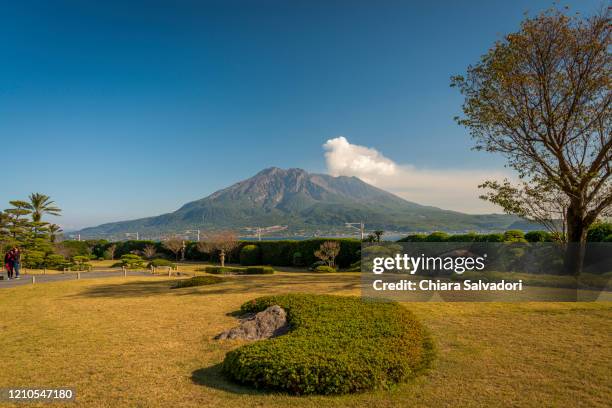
column 452, row 189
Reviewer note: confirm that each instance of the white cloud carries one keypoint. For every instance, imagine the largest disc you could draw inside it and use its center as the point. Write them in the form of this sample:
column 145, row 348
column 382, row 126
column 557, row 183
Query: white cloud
column 451, row 189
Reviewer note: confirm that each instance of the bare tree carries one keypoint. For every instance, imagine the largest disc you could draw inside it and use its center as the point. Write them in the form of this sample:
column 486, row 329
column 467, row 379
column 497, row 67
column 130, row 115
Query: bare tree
column 110, row 251
column 149, row 251
column 65, row 251
column 223, row 242
column 542, row 98
column 328, row 251
column 175, row 245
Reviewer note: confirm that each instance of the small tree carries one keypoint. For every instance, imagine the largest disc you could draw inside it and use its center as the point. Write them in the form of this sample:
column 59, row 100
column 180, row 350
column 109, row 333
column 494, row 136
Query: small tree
column 328, row 251
column 80, row 262
column 378, row 234
column 149, row 251
column 223, row 242
column 110, row 252
column 54, row 230
column 174, row 245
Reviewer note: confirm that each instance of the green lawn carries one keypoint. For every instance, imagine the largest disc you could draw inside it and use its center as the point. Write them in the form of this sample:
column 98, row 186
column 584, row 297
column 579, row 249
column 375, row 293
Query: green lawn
column 135, row 342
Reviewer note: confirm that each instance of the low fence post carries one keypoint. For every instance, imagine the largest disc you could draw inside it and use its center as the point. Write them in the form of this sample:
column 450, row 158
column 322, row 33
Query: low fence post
column 124, row 272
column 78, row 275
column 33, row 279
column 169, row 270
column 45, row 271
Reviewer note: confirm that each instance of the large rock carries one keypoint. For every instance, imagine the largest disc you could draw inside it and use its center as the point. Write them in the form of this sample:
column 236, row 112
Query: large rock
column 263, row 325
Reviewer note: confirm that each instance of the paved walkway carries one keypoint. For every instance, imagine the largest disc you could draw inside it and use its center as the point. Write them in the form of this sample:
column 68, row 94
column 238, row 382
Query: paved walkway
column 58, row 277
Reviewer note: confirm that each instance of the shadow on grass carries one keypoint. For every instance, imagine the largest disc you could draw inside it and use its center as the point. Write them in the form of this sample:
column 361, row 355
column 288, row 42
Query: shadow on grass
column 128, row 289
column 213, row 377
column 272, row 284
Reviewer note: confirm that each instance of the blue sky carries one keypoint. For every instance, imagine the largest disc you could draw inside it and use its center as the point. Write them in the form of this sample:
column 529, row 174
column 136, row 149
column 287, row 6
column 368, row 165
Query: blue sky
column 122, row 109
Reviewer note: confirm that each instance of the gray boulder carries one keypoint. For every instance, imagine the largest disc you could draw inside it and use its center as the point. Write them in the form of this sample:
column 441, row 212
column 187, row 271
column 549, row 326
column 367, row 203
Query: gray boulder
column 271, row 322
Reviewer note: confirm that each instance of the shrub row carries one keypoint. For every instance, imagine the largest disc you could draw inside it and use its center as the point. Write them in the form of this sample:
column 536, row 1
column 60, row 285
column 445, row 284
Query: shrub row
column 301, row 253
column 336, row 345
column 197, row 281
column 583, row 281
column 259, row 270
column 298, row 253
column 598, row 232
column 252, row 270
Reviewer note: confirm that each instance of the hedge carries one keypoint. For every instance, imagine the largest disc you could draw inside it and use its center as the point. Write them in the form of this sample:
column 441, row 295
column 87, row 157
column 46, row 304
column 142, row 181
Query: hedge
column 197, row 281
column 336, row 345
column 252, row 270
column 259, row 270
column 281, row 253
column 222, row 270
column 598, row 232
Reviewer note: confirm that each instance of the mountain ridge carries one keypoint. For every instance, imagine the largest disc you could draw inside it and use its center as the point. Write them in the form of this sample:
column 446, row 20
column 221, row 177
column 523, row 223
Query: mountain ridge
column 306, row 203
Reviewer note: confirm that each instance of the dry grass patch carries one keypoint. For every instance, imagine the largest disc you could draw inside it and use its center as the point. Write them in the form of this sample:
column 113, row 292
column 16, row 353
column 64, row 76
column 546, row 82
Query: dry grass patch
column 134, row 342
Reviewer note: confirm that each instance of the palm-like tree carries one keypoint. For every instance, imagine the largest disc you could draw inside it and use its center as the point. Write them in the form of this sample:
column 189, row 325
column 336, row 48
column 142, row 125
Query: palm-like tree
column 42, row 204
column 54, row 229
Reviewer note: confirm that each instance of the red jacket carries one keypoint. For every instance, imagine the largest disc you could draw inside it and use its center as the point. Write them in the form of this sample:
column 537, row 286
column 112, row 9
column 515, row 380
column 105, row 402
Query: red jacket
column 9, row 258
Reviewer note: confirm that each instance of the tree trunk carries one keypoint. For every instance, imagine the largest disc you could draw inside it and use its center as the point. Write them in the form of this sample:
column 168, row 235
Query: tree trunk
column 576, row 240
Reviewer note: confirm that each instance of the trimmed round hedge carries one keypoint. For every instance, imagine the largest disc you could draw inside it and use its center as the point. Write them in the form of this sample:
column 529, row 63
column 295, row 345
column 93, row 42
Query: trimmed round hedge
column 249, row 255
column 336, row 345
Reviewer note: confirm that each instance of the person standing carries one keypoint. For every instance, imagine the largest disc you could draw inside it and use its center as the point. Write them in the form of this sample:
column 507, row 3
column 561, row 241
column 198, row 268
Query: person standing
column 8, row 263
column 16, row 262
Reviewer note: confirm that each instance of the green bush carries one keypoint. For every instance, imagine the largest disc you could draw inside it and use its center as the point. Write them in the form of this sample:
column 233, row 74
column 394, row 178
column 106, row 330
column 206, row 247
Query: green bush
column 298, row 259
column 538, row 236
column 599, row 232
column 131, row 261
column 80, row 263
column 324, row 269
column 514, row 236
column 249, row 255
column 197, row 281
column 222, row 270
column 437, row 237
column 33, row 259
column 55, row 261
column 161, row 262
column 259, row 270
column 336, row 345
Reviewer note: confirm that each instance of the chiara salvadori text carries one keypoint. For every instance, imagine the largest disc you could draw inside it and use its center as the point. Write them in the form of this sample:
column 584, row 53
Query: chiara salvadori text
column 438, row 285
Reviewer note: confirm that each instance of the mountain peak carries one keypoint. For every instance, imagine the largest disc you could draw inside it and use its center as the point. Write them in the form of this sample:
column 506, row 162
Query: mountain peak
column 279, row 171
column 305, row 202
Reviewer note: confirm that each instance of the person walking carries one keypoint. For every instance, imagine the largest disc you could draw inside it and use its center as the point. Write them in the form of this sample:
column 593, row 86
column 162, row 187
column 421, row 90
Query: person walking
column 16, row 262
column 8, row 263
